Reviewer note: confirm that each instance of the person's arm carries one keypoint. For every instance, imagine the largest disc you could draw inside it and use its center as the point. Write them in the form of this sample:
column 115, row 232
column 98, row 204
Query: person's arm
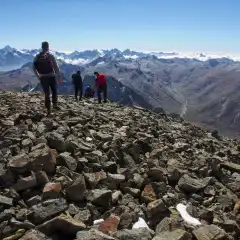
column 34, row 68
column 56, row 69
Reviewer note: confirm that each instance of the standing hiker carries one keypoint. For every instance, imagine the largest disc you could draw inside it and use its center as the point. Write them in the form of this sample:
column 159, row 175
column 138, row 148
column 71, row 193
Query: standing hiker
column 46, row 69
column 77, row 82
column 101, row 86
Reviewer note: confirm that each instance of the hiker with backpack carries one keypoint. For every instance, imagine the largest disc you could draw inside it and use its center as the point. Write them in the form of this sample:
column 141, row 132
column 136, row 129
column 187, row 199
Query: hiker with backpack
column 101, row 86
column 77, row 82
column 46, row 70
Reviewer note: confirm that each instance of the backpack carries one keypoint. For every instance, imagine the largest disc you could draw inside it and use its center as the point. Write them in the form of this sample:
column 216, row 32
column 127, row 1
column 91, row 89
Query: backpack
column 88, row 89
column 43, row 63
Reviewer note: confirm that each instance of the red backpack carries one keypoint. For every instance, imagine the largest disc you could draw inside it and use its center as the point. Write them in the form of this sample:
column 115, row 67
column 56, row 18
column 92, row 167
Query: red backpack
column 43, row 63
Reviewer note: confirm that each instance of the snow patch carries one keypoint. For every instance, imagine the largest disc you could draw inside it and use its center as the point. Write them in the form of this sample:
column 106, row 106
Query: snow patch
column 140, row 224
column 78, row 61
column 131, row 57
column 182, row 209
column 101, row 63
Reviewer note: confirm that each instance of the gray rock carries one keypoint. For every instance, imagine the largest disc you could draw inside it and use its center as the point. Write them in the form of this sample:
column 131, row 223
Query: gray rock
column 110, row 167
column 210, row 232
column 231, row 226
column 138, row 180
column 19, row 163
column 177, row 234
column 231, row 166
column 209, row 191
column 84, row 216
column 27, row 143
column 25, row 183
column 5, row 216
column 113, row 180
column 62, row 224
column 159, row 188
column 174, row 175
column 24, row 225
column 171, row 223
column 73, row 209
column 134, row 234
column 155, row 208
column 6, row 176
column 156, row 174
column 192, row 185
column 116, row 196
column 5, row 201
column 93, row 179
column 103, row 137
column 34, row 201
column 56, row 141
column 64, row 159
column 34, row 235
column 93, row 235
column 100, row 197
column 77, row 190
column 128, row 161
column 42, row 178
column 47, row 210
column 43, row 159
column 132, row 191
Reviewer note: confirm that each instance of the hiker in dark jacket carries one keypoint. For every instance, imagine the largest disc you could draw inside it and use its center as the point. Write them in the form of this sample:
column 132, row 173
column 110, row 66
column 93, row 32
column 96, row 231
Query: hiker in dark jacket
column 46, row 70
column 101, row 86
column 77, row 82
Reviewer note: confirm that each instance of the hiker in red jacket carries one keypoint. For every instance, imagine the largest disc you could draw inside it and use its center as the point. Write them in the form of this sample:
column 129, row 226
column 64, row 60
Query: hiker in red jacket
column 101, row 86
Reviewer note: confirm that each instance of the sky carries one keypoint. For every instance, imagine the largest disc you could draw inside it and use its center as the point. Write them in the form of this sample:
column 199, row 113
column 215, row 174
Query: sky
column 210, row 26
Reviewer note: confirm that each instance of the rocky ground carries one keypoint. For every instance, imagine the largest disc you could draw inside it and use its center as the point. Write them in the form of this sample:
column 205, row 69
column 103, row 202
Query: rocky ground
column 59, row 174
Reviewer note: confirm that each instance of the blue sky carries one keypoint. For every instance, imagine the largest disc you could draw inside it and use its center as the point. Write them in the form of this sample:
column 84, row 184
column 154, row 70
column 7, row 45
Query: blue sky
column 148, row 25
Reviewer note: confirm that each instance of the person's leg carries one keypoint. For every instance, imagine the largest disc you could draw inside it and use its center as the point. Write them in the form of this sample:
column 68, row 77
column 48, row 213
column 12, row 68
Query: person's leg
column 53, row 86
column 80, row 91
column 105, row 93
column 99, row 91
column 46, row 90
column 76, row 91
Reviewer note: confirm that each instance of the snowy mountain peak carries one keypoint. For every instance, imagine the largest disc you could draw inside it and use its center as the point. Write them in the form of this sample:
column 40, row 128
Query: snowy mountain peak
column 11, row 56
column 8, row 48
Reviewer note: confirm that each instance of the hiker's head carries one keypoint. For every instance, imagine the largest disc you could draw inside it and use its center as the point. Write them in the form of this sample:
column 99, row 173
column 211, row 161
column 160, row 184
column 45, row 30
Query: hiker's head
column 96, row 74
column 78, row 72
column 45, row 46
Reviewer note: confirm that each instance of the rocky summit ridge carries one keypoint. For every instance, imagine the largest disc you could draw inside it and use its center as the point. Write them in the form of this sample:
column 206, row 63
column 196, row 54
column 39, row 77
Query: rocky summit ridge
column 89, row 161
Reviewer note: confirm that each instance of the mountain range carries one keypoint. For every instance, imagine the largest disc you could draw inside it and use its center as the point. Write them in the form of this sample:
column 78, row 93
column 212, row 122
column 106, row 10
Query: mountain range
column 202, row 89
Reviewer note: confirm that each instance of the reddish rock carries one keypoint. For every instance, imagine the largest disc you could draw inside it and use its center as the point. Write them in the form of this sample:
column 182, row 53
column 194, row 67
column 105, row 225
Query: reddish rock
column 148, row 195
column 52, row 190
column 110, row 225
